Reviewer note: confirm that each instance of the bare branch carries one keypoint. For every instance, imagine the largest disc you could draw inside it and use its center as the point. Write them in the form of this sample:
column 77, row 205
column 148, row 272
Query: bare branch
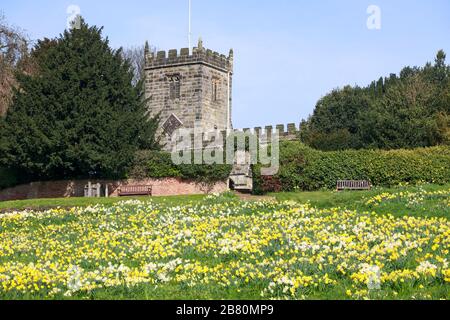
column 136, row 56
column 13, row 52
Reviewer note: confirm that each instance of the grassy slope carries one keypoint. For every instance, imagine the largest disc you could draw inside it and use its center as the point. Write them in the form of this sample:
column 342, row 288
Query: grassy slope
column 39, row 204
column 320, row 199
column 356, row 200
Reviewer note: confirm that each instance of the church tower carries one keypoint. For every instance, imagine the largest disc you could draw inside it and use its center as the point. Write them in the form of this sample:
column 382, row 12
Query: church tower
column 189, row 89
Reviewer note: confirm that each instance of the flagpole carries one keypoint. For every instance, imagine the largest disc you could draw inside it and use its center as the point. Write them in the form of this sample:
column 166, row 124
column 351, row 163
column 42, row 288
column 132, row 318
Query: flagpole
column 190, row 30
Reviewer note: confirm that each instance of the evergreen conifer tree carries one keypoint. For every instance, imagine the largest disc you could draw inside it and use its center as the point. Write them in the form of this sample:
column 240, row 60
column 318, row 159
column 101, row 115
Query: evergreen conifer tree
column 79, row 115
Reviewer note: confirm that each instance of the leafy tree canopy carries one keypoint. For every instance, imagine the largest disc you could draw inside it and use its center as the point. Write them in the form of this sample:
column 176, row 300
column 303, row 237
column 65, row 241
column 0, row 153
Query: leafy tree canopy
column 405, row 111
column 79, row 115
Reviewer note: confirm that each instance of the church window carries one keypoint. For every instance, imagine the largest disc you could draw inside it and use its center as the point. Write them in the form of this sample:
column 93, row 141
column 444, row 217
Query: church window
column 175, row 86
column 215, row 86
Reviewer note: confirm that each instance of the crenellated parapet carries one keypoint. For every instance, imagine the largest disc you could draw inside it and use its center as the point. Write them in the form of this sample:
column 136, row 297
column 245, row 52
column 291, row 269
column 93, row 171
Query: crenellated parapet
column 264, row 135
column 286, row 133
column 199, row 54
column 289, row 132
column 199, row 140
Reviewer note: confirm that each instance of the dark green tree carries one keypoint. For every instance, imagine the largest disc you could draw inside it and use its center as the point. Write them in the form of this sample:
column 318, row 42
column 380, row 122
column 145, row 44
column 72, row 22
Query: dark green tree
column 79, row 115
column 335, row 122
column 406, row 111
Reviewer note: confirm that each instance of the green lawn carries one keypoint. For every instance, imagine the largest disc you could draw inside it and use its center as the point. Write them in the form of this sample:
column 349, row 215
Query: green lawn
column 307, row 245
column 42, row 204
column 431, row 205
column 355, row 200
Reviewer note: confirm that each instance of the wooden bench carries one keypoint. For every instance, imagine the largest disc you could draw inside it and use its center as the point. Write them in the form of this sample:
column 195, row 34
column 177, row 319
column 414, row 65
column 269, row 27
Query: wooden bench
column 353, row 185
column 135, row 190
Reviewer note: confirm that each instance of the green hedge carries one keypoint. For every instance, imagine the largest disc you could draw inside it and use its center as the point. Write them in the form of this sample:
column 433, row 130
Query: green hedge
column 303, row 168
column 158, row 164
column 151, row 164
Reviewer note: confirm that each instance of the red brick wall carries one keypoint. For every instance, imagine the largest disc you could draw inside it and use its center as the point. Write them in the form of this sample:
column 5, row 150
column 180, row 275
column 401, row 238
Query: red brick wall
column 75, row 188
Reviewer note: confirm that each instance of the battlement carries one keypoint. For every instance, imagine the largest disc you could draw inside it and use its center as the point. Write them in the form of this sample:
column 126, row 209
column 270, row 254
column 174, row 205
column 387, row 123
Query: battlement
column 286, row 133
column 263, row 135
column 183, row 57
column 290, row 134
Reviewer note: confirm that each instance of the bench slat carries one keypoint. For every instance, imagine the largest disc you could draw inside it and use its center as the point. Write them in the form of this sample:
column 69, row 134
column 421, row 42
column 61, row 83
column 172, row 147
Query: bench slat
column 135, row 190
column 353, row 185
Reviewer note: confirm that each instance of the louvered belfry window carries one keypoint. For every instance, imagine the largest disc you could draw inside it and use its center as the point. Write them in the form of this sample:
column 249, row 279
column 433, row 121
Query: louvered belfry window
column 175, row 87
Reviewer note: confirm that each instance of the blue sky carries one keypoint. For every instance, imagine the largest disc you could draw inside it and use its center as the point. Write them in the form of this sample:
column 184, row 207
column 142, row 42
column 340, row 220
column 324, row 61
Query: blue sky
column 288, row 53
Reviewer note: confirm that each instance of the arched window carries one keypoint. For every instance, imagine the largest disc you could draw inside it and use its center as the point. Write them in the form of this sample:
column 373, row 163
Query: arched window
column 215, row 86
column 175, row 86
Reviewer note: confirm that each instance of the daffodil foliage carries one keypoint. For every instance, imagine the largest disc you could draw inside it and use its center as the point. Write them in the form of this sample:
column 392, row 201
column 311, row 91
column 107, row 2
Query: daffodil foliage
column 221, row 248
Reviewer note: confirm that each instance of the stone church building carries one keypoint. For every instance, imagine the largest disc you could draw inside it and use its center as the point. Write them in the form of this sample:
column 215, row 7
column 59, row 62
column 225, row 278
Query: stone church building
column 189, row 90
column 194, row 90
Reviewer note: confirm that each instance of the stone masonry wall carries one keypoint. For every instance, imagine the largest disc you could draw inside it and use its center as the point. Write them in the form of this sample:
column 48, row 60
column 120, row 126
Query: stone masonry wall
column 215, row 105
column 205, row 89
column 158, row 93
column 75, row 188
